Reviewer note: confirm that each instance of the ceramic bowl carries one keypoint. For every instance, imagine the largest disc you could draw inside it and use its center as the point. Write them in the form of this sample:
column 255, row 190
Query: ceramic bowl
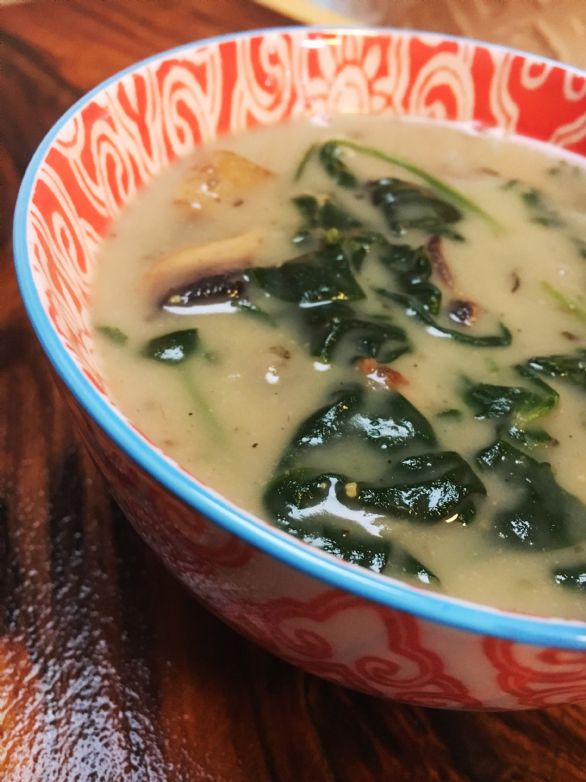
column 335, row 620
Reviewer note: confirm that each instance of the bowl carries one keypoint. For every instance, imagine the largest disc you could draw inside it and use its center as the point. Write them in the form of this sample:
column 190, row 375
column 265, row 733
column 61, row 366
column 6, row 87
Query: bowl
column 330, row 618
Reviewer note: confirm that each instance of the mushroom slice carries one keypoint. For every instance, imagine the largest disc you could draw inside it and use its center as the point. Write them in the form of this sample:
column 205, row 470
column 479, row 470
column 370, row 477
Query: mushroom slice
column 223, row 177
column 181, row 267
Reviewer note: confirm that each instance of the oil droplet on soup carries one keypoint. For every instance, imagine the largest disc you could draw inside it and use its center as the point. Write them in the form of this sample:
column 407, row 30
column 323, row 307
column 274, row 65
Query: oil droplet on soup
column 376, row 342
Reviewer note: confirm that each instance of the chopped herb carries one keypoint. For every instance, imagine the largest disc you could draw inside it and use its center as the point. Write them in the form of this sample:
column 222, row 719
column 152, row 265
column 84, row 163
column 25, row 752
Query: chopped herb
column 113, row 333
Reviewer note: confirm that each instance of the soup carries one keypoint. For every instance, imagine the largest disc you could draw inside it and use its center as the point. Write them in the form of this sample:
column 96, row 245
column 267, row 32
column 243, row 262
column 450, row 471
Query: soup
column 373, row 335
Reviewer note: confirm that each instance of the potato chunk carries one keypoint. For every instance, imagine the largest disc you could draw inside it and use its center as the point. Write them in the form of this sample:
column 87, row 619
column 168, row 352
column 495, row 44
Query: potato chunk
column 223, row 177
column 189, row 263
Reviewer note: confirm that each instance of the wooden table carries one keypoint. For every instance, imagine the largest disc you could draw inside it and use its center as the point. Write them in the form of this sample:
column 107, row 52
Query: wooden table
column 109, row 670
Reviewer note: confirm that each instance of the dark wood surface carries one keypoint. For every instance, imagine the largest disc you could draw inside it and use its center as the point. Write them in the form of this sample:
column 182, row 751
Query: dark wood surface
column 109, row 670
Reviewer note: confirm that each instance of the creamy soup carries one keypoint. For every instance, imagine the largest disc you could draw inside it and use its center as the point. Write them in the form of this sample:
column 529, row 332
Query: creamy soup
column 373, row 335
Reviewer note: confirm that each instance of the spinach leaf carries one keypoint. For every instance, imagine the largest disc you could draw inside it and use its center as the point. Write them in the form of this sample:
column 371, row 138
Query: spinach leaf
column 335, row 326
column 430, row 487
column 113, row 333
column 248, row 308
column 299, row 504
column 542, row 515
column 570, row 367
column 530, row 436
column 303, row 163
column 323, row 212
column 568, row 305
column 314, row 278
column 356, row 246
column 173, row 348
column 407, row 206
column 540, row 210
column 411, row 567
column 415, row 309
column 330, row 156
column 518, row 404
column 385, row 421
column 412, row 269
column 426, row 485
column 572, row 577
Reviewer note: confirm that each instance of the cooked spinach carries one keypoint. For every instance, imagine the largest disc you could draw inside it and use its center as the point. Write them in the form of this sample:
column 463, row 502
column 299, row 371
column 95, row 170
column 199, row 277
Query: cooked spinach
column 540, row 210
column 569, row 305
column 387, row 422
column 317, row 277
column 518, row 404
column 303, row 163
column 542, row 515
column 335, row 328
column 340, row 173
column 417, row 481
column 173, row 348
column 323, row 212
column 412, row 268
column 529, row 436
column 570, row 367
column 248, row 308
column 330, row 156
column 414, row 309
column 407, row 206
column 299, row 503
column 113, row 333
column 573, row 577
column 430, row 487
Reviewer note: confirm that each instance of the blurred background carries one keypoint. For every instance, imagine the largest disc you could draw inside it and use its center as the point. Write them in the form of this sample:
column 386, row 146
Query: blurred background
column 556, row 28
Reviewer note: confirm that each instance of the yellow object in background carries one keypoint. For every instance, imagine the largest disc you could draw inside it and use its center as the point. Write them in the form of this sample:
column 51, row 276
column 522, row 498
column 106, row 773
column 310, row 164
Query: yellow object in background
column 554, row 28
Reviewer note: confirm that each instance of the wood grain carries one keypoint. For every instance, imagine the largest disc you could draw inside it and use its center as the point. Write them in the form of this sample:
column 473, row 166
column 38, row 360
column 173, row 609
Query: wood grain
column 109, row 670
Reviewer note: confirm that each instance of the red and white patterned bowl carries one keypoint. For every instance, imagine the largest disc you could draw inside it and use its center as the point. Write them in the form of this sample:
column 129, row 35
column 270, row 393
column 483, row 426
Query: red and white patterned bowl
column 333, row 619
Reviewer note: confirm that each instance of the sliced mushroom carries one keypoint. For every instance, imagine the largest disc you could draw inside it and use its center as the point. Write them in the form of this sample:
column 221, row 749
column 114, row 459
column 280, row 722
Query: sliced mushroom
column 189, row 264
column 223, row 177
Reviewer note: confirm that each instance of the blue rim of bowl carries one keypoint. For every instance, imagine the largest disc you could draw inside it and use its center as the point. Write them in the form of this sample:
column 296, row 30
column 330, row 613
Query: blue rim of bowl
column 388, row 592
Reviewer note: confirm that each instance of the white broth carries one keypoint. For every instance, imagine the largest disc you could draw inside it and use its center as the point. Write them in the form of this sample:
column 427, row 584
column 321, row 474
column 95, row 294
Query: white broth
column 394, row 397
